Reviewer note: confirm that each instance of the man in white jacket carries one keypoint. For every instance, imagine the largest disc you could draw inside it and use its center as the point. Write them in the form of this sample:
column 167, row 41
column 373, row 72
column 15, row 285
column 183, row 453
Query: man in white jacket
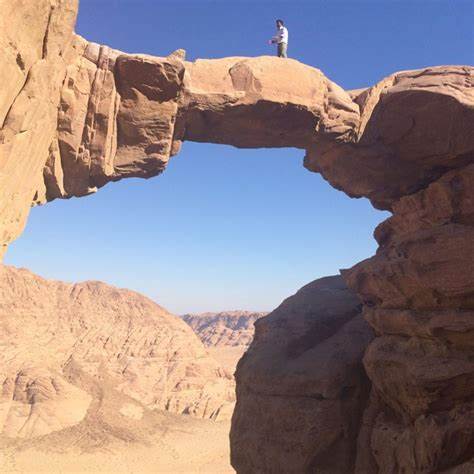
column 281, row 39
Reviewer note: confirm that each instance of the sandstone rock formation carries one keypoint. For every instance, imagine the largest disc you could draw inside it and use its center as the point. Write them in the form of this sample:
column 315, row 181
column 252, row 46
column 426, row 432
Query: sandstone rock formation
column 106, row 115
column 36, row 401
column 34, row 54
column 301, row 386
column 226, row 328
column 418, row 295
column 414, row 126
column 417, row 291
column 75, row 115
column 113, row 335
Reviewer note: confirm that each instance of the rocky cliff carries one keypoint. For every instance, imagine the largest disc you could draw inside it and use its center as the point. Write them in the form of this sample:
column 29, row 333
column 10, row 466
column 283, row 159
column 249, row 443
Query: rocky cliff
column 75, row 115
column 50, row 329
column 34, row 54
column 301, row 386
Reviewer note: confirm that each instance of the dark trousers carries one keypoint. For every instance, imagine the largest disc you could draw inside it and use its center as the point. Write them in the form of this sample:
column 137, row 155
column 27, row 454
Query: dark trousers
column 282, row 49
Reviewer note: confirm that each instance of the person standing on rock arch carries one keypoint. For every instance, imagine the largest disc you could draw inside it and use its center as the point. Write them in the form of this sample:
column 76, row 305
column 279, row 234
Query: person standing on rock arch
column 281, row 39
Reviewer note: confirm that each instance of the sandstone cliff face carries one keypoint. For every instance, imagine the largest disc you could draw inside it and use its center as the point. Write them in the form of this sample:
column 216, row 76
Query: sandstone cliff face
column 113, row 335
column 414, row 155
column 301, row 387
column 116, row 119
column 74, row 115
column 34, row 42
column 418, row 295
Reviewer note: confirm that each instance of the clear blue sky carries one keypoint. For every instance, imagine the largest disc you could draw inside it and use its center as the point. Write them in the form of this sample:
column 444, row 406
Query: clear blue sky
column 237, row 229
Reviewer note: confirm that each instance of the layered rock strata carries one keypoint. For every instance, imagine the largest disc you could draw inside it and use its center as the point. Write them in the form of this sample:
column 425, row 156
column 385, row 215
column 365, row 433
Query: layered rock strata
column 227, row 335
column 74, row 116
column 34, row 55
column 116, row 337
column 418, row 294
column 224, row 329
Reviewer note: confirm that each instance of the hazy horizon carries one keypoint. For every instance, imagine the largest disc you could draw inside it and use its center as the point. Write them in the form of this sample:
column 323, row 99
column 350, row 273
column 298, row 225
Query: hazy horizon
column 222, row 228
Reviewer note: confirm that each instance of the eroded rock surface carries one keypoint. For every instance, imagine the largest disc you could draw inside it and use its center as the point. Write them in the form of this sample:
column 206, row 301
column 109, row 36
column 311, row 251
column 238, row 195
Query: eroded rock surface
column 414, row 126
column 263, row 102
column 75, row 115
column 418, row 293
column 301, row 387
column 113, row 433
column 36, row 401
column 109, row 334
column 34, row 54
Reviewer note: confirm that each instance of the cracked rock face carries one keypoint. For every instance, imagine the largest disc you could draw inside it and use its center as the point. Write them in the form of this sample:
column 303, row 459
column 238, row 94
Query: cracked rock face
column 33, row 62
column 418, row 295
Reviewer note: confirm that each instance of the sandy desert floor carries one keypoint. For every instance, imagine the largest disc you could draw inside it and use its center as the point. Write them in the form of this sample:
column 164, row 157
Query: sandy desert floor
column 111, row 439
column 189, row 446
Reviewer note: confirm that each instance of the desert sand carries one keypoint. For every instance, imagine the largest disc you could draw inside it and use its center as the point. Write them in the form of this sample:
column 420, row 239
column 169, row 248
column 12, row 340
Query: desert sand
column 182, row 445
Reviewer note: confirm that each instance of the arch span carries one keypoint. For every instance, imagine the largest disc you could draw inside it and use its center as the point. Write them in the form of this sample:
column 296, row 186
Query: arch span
column 125, row 115
column 78, row 115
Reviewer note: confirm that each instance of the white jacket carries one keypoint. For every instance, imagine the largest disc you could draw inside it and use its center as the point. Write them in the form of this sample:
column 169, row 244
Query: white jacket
column 281, row 36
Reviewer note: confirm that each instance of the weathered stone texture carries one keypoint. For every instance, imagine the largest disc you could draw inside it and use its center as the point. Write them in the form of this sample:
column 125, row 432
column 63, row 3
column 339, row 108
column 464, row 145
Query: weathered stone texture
column 418, row 292
column 75, row 115
column 301, row 387
column 34, row 40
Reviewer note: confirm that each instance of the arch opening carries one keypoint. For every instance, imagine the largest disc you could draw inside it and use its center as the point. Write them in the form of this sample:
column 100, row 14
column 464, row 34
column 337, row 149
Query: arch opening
column 222, row 228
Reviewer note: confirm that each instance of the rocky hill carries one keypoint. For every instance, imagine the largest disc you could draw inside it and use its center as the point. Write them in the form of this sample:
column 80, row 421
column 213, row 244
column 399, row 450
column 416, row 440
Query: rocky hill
column 225, row 328
column 50, row 328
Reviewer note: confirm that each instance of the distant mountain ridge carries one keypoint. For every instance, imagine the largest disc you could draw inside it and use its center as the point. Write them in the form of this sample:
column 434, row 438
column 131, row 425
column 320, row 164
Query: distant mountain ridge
column 225, row 328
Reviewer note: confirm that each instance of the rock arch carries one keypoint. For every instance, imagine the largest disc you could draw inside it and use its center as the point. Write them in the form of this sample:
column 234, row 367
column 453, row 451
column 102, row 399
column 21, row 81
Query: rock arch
column 75, row 115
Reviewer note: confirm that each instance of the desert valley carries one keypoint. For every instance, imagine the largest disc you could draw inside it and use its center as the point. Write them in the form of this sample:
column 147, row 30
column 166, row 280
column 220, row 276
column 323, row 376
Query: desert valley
column 109, row 380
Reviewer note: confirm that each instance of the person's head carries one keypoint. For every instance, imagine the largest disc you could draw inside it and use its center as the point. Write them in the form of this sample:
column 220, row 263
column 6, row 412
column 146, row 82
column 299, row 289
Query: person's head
column 279, row 23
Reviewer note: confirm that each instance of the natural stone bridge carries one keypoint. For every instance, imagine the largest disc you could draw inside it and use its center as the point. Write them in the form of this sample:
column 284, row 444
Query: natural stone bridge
column 76, row 115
